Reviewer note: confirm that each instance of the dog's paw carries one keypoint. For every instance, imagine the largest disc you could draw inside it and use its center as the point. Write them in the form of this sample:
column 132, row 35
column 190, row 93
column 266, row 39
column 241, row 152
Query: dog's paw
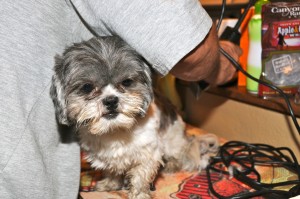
column 208, row 143
column 108, row 184
column 139, row 195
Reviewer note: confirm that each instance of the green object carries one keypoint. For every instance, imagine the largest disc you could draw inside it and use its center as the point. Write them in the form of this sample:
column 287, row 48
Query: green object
column 254, row 28
column 252, row 86
column 254, row 62
column 258, row 6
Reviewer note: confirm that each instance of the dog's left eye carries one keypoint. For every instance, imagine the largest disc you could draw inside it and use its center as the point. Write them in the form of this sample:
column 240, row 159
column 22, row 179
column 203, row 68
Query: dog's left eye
column 87, row 88
column 127, row 82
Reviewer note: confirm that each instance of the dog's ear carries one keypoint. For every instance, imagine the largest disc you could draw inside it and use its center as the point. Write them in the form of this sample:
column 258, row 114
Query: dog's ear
column 148, row 83
column 57, row 93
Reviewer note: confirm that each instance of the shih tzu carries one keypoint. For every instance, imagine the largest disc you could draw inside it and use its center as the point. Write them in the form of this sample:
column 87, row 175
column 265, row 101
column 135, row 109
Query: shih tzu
column 103, row 88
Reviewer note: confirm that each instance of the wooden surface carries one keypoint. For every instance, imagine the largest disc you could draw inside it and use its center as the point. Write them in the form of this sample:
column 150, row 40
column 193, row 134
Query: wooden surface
column 277, row 104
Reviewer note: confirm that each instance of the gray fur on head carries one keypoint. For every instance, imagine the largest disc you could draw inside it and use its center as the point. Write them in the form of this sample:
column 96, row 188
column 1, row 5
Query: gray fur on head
column 86, row 68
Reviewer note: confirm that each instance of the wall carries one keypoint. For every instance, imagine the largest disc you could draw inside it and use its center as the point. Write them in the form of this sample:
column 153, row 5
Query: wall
column 234, row 120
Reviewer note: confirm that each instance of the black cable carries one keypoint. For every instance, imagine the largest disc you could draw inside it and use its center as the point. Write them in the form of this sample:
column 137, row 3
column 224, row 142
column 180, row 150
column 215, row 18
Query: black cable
column 232, row 153
column 248, row 156
column 222, row 14
column 275, row 88
column 233, row 34
column 242, row 17
column 92, row 31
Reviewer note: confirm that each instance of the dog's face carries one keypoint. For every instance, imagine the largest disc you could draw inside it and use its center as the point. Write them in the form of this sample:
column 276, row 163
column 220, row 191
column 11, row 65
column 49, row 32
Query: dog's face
column 101, row 84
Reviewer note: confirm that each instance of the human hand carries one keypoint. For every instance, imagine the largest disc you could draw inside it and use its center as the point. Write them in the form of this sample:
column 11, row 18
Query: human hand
column 226, row 71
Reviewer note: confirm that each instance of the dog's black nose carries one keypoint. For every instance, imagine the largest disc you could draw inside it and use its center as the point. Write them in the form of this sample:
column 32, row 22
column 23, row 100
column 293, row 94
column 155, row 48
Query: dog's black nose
column 111, row 102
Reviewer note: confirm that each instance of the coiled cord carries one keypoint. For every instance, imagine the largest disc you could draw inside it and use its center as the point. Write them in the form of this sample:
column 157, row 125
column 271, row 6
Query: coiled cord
column 240, row 160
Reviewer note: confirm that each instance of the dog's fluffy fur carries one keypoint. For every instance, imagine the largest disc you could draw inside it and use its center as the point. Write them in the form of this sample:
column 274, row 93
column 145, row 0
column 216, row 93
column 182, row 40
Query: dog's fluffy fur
column 104, row 89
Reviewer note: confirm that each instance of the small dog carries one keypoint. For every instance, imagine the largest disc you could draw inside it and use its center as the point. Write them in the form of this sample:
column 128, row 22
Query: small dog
column 103, row 88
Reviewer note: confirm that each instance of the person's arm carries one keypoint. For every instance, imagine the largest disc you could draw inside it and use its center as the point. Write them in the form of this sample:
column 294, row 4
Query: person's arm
column 206, row 63
column 164, row 34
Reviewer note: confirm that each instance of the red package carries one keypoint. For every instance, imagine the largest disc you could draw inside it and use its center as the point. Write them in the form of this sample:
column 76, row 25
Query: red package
column 280, row 47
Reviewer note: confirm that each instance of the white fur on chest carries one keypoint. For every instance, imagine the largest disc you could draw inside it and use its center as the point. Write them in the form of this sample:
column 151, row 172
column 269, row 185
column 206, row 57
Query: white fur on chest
column 121, row 150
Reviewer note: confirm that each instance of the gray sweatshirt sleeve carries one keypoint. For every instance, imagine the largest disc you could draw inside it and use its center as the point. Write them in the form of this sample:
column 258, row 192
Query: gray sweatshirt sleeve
column 163, row 31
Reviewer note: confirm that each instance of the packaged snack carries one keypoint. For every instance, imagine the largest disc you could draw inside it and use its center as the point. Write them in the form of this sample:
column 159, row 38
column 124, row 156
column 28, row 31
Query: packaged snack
column 280, row 47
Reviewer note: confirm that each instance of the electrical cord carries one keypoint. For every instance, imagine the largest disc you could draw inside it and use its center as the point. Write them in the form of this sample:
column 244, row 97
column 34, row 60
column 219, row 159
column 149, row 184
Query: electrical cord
column 222, row 14
column 275, row 88
column 233, row 35
column 240, row 160
column 242, row 17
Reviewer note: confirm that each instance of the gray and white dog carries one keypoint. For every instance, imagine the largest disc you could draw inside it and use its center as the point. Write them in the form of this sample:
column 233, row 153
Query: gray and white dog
column 103, row 88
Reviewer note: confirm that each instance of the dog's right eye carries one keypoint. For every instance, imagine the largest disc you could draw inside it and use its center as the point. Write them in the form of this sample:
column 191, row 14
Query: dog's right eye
column 127, row 82
column 87, row 88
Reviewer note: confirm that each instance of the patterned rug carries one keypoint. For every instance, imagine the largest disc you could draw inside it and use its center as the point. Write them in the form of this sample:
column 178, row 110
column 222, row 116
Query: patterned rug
column 187, row 185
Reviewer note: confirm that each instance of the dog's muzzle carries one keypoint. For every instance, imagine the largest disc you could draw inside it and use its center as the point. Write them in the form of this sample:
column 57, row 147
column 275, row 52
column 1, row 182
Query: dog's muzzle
column 111, row 104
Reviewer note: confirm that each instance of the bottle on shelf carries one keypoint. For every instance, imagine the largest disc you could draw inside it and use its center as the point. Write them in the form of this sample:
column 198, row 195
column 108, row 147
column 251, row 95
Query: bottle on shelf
column 254, row 62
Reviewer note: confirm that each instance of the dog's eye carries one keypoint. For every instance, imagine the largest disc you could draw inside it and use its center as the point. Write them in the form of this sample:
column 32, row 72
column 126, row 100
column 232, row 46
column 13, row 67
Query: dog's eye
column 127, row 82
column 87, row 88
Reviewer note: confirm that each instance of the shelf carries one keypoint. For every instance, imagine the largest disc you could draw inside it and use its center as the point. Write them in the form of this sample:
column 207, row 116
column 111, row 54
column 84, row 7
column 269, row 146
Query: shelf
column 240, row 94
